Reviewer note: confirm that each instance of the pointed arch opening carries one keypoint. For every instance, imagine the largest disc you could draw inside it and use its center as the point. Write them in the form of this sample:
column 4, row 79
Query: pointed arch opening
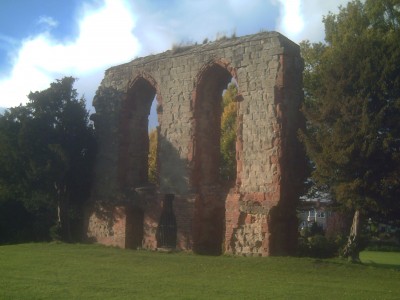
column 137, row 156
column 212, row 177
column 134, row 135
column 154, row 133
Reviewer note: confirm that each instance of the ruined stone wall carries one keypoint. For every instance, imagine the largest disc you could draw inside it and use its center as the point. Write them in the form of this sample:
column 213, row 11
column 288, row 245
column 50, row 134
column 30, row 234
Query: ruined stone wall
column 109, row 227
column 255, row 217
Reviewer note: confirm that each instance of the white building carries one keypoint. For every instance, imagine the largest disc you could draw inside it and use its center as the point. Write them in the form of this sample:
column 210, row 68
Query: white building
column 310, row 212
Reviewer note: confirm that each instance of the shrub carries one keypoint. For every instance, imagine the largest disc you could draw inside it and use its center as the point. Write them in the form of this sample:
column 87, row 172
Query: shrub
column 55, row 232
column 317, row 246
column 321, row 247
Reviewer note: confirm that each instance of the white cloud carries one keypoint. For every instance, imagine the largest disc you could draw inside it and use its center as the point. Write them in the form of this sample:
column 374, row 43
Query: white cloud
column 194, row 20
column 302, row 19
column 105, row 38
column 290, row 18
column 313, row 12
column 116, row 31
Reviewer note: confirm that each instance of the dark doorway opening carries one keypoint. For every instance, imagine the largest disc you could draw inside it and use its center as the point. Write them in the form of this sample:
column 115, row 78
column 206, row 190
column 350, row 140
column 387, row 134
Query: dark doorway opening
column 167, row 229
column 134, row 228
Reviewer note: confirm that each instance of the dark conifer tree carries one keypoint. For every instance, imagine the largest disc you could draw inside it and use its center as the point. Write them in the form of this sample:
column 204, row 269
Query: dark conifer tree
column 46, row 154
column 352, row 90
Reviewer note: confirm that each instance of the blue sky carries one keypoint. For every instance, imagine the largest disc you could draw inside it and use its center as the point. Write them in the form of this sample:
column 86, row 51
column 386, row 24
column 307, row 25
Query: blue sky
column 44, row 40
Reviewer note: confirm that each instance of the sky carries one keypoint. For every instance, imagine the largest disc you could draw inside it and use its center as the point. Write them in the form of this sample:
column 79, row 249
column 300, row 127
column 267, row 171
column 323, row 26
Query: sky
column 45, row 40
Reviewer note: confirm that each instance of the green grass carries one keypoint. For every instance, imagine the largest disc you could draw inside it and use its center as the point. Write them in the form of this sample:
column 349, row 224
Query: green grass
column 63, row 271
column 389, row 260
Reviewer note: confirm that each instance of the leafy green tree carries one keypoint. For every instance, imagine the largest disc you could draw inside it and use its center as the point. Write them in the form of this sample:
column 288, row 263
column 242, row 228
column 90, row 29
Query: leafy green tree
column 46, row 158
column 228, row 134
column 153, row 144
column 352, row 90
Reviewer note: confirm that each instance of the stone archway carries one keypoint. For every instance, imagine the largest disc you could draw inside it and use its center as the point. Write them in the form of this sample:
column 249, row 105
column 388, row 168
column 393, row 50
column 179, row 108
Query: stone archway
column 133, row 163
column 134, row 138
column 209, row 218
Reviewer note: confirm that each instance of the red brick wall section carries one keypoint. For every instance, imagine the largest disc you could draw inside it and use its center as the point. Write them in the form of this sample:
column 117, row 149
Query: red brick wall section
column 246, row 229
column 108, row 232
column 152, row 212
column 232, row 214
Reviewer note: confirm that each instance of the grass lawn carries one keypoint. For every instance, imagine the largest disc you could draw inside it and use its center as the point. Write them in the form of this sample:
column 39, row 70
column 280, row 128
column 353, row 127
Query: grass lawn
column 389, row 260
column 63, row 271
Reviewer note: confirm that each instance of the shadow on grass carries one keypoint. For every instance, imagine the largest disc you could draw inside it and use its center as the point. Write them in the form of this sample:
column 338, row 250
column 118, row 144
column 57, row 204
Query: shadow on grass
column 381, row 265
column 381, row 259
column 393, row 265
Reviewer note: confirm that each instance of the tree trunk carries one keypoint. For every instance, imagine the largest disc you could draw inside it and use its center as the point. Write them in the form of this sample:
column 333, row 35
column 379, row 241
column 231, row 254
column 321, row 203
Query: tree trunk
column 352, row 248
column 63, row 212
column 65, row 222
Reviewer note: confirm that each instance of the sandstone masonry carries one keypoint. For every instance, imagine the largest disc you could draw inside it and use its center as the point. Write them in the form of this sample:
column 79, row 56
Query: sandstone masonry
column 253, row 216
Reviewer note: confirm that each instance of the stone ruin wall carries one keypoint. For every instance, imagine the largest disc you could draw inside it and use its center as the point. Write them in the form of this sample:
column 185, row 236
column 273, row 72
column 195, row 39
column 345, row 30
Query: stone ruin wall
column 256, row 216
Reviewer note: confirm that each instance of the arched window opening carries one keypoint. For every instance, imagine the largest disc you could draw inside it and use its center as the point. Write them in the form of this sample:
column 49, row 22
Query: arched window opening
column 215, row 112
column 216, row 126
column 153, row 129
column 135, row 143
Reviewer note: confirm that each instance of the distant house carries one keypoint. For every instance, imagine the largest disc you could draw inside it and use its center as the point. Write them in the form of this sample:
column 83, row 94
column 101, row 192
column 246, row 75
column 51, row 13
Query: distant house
column 310, row 212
